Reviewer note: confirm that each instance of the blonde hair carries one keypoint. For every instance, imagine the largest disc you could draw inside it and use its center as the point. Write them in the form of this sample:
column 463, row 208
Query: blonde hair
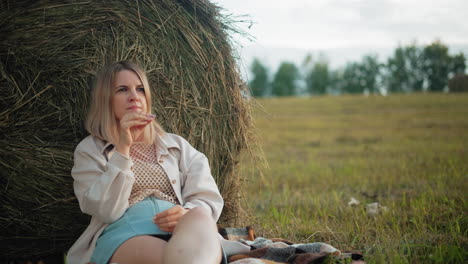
column 101, row 121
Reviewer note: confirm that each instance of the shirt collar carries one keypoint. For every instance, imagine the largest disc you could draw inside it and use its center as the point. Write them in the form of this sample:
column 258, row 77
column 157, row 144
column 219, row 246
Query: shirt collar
column 106, row 146
column 165, row 143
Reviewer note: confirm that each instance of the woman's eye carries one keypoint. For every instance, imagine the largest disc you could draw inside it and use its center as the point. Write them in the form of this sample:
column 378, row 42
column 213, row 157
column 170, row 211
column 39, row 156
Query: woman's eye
column 122, row 89
column 141, row 89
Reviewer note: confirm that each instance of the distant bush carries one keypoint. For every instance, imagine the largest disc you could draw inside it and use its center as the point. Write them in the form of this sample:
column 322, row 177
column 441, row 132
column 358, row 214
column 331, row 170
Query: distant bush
column 459, row 83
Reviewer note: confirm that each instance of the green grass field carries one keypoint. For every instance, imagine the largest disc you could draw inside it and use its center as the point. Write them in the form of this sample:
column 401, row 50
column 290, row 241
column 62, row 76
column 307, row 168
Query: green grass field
column 407, row 152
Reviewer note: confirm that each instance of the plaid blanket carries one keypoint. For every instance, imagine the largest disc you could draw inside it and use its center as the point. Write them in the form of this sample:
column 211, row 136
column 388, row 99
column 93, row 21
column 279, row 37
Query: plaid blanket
column 280, row 251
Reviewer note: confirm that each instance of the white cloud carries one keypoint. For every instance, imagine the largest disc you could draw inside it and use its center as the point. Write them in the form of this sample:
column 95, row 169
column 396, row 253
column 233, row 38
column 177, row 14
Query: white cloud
column 341, row 23
column 344, row 30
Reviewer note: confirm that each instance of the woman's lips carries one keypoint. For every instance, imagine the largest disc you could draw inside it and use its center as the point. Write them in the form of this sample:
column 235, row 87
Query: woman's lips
column 134, row 108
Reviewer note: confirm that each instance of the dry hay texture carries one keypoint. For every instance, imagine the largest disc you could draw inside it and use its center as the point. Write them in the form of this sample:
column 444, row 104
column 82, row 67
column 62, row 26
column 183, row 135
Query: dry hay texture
column 50, row 52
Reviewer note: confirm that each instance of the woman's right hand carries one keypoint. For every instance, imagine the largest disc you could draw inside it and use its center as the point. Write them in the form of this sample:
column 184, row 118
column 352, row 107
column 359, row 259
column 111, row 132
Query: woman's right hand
column 131, row 128
column 168, row 219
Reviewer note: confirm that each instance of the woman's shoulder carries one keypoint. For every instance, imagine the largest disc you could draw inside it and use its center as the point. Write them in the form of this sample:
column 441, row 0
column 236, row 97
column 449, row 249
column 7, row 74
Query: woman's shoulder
column 90, row 144
column 171, row 140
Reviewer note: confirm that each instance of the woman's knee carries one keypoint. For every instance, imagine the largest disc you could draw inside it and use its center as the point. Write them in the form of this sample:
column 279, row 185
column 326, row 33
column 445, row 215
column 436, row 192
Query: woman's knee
column 194, row 240
column 199, row 216
column 201, row 213
column 197, row 222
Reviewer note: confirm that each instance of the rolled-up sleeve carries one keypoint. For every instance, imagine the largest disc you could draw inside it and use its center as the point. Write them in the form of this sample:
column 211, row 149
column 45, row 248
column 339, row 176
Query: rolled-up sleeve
column 199, row 188
column 101, row 186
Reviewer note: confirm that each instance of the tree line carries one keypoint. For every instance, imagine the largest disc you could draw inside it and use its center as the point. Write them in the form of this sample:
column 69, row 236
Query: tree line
column 411, row 68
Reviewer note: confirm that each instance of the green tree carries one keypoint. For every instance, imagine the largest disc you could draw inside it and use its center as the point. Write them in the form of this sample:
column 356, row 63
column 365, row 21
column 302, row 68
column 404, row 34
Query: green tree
column 359, row 77
column 397, row 77
column 316, row 74
column 436, row 65
column 319, row 78
column 405, row 71
column 285, row 80
column 370, row 73
column 259, row 83
column 458, row 65
column 415, row 68
column 351, row 80
column 335, row 82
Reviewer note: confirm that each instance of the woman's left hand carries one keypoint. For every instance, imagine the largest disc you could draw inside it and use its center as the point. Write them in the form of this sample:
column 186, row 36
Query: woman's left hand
column 168, row 219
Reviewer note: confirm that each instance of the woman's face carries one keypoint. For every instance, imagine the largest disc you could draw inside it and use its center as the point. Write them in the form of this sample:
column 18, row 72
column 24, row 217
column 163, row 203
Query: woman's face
column 128, row 94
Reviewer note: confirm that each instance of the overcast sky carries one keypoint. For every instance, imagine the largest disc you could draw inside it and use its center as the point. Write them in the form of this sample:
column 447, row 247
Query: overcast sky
column 343, row 24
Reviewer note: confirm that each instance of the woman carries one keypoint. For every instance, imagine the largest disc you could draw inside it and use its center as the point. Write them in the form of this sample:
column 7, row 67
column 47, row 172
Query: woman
column 150, row 194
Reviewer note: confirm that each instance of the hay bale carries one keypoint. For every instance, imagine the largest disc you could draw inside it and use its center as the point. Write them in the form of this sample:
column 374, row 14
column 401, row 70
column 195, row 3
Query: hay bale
column 50, row 52
column 458, row 83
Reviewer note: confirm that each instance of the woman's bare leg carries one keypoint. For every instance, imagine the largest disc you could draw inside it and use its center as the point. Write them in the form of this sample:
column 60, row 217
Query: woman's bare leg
column 140, row 250
column 194, row 240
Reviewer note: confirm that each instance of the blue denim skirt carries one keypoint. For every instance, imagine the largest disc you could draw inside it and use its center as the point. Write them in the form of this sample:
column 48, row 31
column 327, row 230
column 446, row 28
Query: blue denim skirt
column 136, row 221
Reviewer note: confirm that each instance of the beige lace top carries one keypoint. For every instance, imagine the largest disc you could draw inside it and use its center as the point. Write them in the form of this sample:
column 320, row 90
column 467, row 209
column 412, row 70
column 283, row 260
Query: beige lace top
column 150, row 178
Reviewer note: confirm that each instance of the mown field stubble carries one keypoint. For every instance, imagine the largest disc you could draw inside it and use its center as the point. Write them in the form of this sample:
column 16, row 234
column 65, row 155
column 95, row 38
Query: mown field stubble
column 409, row 153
